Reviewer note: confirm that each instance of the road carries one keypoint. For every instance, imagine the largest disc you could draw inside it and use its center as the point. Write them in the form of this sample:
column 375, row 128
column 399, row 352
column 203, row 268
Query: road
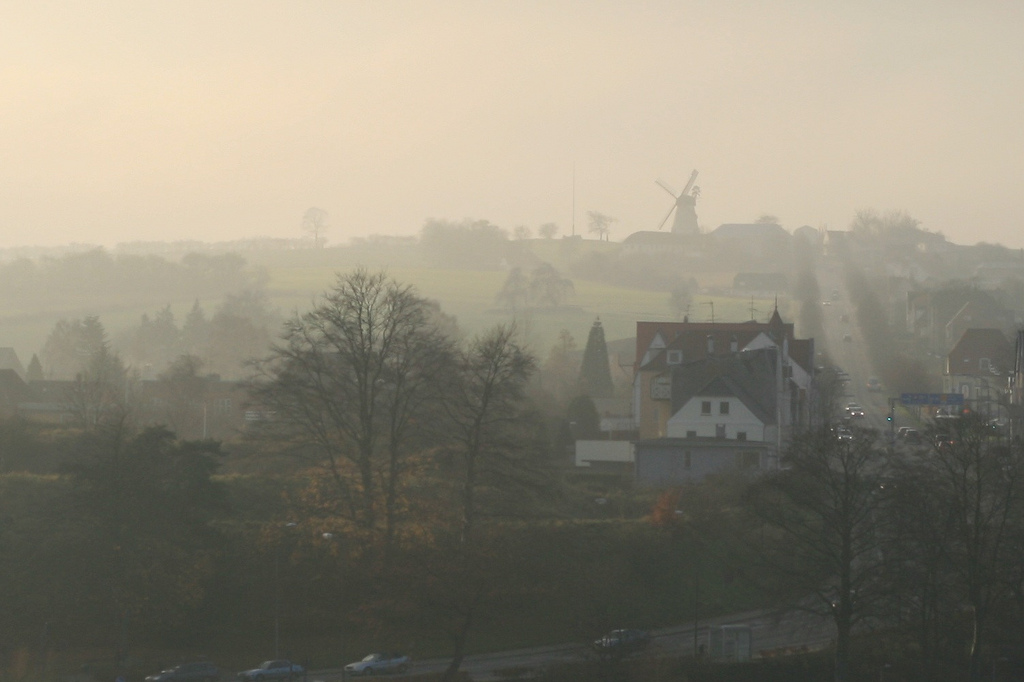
column 845, row 346
column 772, row 634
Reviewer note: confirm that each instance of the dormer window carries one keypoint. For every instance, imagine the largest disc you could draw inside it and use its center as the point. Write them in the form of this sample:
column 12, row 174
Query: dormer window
column 734, row 344
column 675, row 357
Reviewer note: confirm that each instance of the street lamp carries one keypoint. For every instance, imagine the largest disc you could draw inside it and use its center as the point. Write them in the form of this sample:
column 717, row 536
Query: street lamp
column 277, row 594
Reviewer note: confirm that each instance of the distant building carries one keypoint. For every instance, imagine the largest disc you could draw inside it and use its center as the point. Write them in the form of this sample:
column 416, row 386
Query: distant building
column 980, row 367
column 9, row 360
column 717, row 396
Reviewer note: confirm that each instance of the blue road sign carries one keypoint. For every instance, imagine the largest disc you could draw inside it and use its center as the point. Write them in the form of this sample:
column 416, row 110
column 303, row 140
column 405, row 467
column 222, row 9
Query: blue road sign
column 932, row 398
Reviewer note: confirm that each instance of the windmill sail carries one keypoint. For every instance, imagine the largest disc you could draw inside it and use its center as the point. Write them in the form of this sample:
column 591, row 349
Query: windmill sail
column 685, row 207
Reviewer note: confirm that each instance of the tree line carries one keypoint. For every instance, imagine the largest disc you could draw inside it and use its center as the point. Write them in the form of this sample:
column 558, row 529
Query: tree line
column 404, row 481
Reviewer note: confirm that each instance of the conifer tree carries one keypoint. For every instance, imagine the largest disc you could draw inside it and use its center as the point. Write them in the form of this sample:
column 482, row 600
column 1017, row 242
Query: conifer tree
column 35, row 369
column 595, row 373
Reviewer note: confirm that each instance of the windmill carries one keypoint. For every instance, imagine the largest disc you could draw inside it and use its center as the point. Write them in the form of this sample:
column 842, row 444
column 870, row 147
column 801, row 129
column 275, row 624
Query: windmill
column 685, row 207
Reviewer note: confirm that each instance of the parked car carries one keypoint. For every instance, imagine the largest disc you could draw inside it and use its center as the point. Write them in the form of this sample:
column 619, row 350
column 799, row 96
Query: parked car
column 272, row 670
column 375, row 664
column 909, row 435
column 187, row 672
column 622, row 642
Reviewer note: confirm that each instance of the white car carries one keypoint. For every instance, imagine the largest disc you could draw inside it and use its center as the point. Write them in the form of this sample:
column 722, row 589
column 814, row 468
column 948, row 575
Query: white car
column 375, row 664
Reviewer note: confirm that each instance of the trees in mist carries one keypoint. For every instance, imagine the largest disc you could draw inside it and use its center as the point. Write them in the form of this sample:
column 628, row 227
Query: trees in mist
column 822, row 529
column 600, row 224
column 544, row 286
column 80, row 279
column 350, row 379
column 314, row 223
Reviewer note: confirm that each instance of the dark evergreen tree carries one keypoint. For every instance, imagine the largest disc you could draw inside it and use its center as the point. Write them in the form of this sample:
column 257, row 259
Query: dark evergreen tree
column 595, row 372
column 35, row 369
column 583, row 418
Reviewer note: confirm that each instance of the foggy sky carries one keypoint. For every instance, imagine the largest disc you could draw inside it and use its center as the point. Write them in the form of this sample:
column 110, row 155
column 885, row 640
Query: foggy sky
column 219, row 120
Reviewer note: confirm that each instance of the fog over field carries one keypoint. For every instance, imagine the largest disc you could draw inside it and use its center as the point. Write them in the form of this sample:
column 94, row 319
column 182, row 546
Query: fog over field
column 126, row 120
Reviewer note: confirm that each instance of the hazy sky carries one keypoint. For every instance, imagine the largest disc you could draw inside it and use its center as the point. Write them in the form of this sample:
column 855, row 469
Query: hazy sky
column 131, row 120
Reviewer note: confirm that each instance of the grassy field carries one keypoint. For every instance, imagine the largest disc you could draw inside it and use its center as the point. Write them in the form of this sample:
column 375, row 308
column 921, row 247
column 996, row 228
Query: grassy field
column 469, row 295
column 298, row 277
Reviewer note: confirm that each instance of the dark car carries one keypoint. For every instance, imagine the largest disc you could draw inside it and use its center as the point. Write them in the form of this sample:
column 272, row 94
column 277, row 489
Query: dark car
column 272, row 670
column 622, row 642
column 187, row 672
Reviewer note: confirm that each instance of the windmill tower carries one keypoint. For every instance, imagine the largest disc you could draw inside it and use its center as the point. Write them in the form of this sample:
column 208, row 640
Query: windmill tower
column 685, row 207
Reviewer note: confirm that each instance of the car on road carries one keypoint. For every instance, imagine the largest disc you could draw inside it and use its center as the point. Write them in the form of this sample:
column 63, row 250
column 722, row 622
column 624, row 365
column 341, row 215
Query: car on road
column 622, row 642
column 279, row 669
column 843, row 433
column 379, row 663
column 847, row 338
column 874, row 385
column 854, row 410
column 908, row 434
column 199, row 671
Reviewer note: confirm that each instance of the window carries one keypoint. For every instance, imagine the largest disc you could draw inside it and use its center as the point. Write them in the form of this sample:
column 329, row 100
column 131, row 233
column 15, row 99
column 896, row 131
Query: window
column 748, row 460
column 741, row 435
column 719, row 430
column 691, row 434
column 723, row 407
column 675, row 357
column 705, row 407
column 686, row 459
column 984, row 363
column 661, row 388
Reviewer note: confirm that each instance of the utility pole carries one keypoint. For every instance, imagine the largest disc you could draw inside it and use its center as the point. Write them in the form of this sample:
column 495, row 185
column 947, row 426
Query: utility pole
column 892, row 422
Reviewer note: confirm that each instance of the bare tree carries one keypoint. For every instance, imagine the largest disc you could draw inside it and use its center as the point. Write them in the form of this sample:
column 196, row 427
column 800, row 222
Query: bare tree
column 979, row 486
column 548, row 230
column 821, row 532
column 600, row 224
column 314, row 222
column 487, row 410
column 548, row 286
column 515, row 292
column 351, row 379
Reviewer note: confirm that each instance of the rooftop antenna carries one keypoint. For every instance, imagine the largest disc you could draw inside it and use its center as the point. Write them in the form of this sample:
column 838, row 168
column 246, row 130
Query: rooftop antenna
column 573, row 198
column 753, row 310
column 712, row 304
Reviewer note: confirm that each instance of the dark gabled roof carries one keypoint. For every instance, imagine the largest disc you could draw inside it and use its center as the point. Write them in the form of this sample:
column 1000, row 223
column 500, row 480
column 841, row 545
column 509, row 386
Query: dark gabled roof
column 749, row 231
column 703, row 443
column 13, row 389
column 692, row 337
column 749, row 376
column 9, row 360
column 981, row 343
column 651, row 238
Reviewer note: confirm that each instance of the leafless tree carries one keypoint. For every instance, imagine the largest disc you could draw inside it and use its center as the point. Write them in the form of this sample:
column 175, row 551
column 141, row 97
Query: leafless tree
column 548, row 230
column 822, row 534
column 314, row 221
column 354, row 378
column 600, row 224
column 978, row 484
column 487, row 411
